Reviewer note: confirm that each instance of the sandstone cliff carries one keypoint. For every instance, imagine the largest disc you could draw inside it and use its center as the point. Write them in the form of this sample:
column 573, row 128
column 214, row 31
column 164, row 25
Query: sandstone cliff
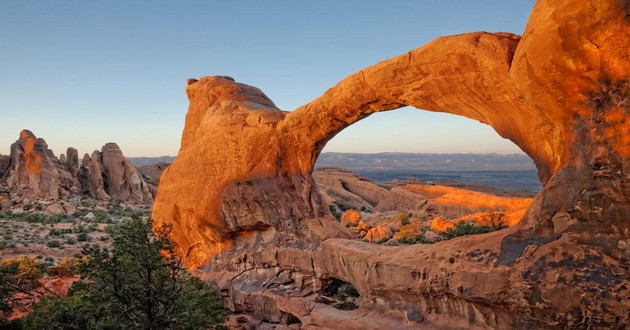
column 32, row 171
column 245, row 209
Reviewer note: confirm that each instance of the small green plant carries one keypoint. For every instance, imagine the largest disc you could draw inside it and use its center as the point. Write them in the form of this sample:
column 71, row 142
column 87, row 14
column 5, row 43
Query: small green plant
column 403, row 218
column 54, row 232
column 53, row 244
column 335, row 213
column 27, row 207
column 465, row 228
column 101, row 216
column 69, row 240
column 83, row 237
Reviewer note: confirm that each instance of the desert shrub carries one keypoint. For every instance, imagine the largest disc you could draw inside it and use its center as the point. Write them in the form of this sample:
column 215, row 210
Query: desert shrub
column 334, row 211
column 70, row 240
column 8, row 275
column 101, row 216
column 65, row 267
column 54, row 232
column 465, row 228
column 83, row 237
column 92, row 227
column 139, row 284
column 382, row 240
column 53, row 244
column 403, row 218
column 27, row 207
column 29, row 270
column 3, row 245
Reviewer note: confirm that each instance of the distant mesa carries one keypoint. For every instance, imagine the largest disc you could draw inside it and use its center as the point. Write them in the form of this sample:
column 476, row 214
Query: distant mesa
column 32, row 171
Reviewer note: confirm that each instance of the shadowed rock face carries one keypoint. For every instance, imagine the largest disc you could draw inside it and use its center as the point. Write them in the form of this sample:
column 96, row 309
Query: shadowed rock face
column 108, row 174
column 246, row 211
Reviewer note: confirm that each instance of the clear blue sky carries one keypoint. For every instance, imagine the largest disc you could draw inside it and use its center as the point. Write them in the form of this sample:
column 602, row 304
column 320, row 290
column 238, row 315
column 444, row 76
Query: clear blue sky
column 83, row 73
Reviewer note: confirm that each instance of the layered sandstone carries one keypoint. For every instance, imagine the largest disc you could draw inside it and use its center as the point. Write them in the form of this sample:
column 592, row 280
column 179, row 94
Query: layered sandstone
column 32, row 171
column 245, row 209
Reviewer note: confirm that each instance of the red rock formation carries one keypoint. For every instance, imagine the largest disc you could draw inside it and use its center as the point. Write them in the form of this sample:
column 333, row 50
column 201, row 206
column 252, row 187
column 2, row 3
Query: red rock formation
column 5, row 162
column 377, row 234
column 343, row 187
column 124, row 181
column 242, row 200
column 91, row 176
column 32, row 171
column 109, row 175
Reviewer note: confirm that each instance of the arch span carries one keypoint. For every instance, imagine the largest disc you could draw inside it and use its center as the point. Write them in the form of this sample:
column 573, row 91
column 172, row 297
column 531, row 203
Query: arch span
column 245, row 209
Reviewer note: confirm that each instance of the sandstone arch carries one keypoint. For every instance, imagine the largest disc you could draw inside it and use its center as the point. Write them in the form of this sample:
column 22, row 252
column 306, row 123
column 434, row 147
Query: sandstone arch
column 244, row 207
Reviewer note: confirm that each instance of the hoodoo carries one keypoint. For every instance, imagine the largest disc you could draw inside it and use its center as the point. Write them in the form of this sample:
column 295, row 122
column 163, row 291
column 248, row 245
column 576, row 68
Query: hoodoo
column 245, row 209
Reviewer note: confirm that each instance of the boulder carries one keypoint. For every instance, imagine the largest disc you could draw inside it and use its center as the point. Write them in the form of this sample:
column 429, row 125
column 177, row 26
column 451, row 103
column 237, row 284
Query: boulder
column 69, row 208
column 378, row 234
column 54, row 209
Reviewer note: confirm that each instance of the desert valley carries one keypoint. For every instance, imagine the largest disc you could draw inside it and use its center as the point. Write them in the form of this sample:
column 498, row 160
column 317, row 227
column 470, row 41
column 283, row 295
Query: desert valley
column 259, row 228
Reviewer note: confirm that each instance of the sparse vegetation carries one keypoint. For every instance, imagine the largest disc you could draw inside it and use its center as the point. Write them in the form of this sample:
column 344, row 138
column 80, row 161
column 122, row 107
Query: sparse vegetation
column 495, row 222
column 139, row 284
column 334, row 211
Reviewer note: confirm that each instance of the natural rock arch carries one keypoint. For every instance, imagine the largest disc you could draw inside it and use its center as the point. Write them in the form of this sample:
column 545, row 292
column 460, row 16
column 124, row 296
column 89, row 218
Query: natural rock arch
column 244, row 206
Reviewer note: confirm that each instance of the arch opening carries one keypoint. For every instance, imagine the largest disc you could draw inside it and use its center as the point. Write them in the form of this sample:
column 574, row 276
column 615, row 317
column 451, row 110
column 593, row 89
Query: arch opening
column 422, row 195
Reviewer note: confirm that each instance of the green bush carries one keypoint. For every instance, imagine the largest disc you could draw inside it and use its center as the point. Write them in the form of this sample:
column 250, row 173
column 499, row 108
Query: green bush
column 83, row 237
column 54, row 232
column 335, row 213
column 53, row 244
column 101, row 216
column 70, row 240
column 139, row 284
column 465, row 228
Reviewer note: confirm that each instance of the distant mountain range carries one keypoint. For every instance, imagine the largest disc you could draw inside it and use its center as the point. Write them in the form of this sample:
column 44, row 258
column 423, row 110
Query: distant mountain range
column 142, row 161
column 399, row 161
column 403, row 161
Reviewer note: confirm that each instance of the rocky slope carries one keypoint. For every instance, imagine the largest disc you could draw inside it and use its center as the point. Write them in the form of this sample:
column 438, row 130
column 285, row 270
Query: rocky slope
column 247, row 214
column 33, row 172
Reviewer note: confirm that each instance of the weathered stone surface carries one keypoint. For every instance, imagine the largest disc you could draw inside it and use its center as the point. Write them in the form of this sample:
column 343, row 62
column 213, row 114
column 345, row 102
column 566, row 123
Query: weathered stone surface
column 124, row 181
column 245, row 209
column 32, row 170
column 54, row 209
column 5, row 162
column 339, row 186
column 91, row 176
column 108, row 174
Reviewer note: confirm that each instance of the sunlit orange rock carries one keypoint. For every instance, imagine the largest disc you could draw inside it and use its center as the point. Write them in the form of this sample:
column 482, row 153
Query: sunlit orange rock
column 350, row 218
column 377, row 234
column 559, row 92
column 439, row 224
column 32, row 171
